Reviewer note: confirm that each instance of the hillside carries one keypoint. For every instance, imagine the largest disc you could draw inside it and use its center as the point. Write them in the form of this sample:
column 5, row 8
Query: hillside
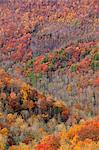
column 49, row 75
column 53, row 24
column 27, row 116
column 70, row 74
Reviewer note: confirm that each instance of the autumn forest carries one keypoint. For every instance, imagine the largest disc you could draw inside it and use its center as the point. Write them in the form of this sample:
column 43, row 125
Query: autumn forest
column 49, row 75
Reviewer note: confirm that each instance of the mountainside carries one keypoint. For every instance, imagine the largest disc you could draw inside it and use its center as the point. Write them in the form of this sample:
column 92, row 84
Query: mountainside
column 49, row 75
column 70, row 74
column 27, row 116
column 52, row 24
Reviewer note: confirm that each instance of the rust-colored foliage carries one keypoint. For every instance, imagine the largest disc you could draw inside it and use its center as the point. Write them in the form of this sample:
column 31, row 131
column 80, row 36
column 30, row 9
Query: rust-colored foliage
column 50, row 143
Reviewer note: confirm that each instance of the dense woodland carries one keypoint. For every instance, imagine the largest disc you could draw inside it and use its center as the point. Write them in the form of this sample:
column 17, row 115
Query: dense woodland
column 49, row 75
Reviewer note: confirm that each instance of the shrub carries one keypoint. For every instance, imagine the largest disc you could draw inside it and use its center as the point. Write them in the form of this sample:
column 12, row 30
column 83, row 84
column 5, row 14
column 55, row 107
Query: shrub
column 32, row 78
column 95, row 65
column 96, row 57
column 73, row 68
column 45, row 60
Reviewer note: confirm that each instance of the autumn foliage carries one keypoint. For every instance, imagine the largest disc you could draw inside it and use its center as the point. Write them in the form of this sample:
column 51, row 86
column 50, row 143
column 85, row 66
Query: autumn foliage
column 49, row 75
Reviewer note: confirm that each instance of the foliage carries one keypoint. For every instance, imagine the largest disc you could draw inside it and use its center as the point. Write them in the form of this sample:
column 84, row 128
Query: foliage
column 32, row 78
column 73, row 68
column 49, row 47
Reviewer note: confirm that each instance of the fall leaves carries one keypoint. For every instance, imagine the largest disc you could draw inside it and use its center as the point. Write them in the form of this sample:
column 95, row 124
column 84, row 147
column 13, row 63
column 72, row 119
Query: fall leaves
column 28, row 109
column 18, row 96
column 76, row 58
column 81, row 136
column 29, row 120
column 21, row 19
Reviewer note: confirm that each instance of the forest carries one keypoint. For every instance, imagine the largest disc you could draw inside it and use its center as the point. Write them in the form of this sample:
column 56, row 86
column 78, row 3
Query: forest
column 49, row 75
